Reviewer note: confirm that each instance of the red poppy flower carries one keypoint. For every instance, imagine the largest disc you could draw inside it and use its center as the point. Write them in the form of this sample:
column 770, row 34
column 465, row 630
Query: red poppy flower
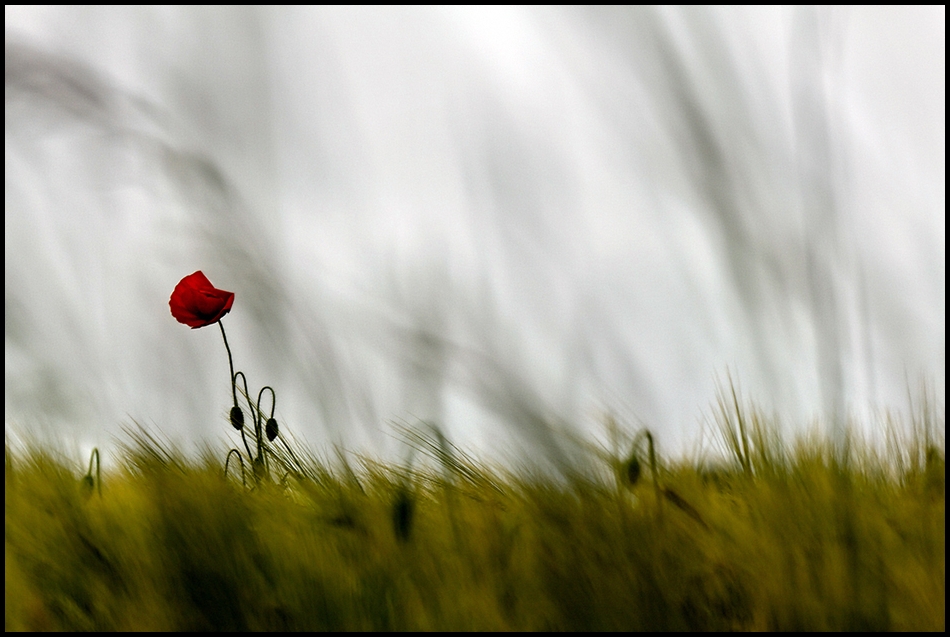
column 195, row 302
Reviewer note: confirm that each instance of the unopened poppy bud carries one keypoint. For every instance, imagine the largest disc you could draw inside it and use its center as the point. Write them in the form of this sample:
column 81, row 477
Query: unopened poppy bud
column 633, row 470
column 237, row 418
column 88, row 484
column 271, row 429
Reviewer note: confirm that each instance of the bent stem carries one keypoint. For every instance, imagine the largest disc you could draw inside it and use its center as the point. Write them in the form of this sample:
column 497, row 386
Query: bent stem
column 250, row 456
column 88, row 478
column 259, row 417
column 240, row 460
column 656, row 475
column 632, row 466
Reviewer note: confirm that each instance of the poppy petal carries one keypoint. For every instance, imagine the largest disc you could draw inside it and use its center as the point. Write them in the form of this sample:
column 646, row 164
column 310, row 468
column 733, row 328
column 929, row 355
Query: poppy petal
column 197, row 303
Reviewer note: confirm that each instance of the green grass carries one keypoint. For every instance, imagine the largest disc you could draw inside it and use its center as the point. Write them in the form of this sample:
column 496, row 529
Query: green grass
column 772, row 535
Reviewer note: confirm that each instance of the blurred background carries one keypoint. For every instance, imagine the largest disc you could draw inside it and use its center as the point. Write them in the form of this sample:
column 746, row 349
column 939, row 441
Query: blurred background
column 506, row 221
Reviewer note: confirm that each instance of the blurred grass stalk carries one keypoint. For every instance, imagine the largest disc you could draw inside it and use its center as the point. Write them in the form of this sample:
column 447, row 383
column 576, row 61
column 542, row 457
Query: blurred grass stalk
column 765, row 536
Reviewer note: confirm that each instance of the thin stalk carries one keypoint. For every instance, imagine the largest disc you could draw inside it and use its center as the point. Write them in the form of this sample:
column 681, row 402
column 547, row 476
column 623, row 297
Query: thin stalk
column 656, row 475
column 230, row 362
column 95, row 455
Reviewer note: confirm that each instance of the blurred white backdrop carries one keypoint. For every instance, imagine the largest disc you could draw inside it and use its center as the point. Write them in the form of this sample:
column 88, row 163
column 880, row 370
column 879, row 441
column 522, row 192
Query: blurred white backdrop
column 506, row 221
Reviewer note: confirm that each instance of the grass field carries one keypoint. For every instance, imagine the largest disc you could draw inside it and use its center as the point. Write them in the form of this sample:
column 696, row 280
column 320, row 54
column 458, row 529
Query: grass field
column 770, row 535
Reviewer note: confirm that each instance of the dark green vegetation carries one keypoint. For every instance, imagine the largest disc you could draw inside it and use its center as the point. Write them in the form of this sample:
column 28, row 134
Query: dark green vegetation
column 775, row 536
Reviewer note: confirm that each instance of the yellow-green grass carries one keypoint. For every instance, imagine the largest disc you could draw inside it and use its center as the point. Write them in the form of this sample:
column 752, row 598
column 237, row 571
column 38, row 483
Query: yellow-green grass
column 800, row 535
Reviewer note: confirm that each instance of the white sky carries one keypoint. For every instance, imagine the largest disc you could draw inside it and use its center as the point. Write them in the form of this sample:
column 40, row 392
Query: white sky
column 528, row 185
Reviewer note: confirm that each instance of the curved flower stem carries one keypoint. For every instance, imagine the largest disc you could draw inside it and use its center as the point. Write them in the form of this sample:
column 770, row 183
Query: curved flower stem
column 273, row 399
column 651, row 450
column 230, row 364
column 250, row 456
column 241, row 460
column 257, row 421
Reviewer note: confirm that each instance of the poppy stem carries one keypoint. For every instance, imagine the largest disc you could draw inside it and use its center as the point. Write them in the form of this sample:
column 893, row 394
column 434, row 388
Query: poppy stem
column 250, row 456
column 230, row 363
column 656, row 475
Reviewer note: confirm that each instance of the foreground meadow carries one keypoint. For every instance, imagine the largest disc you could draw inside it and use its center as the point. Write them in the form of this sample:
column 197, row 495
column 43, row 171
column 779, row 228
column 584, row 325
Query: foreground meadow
column 775, row 535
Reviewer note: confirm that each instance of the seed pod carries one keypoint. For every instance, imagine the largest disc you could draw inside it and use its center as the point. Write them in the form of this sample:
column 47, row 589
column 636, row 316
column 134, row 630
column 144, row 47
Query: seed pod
column 271, row 429
column 237, row 418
